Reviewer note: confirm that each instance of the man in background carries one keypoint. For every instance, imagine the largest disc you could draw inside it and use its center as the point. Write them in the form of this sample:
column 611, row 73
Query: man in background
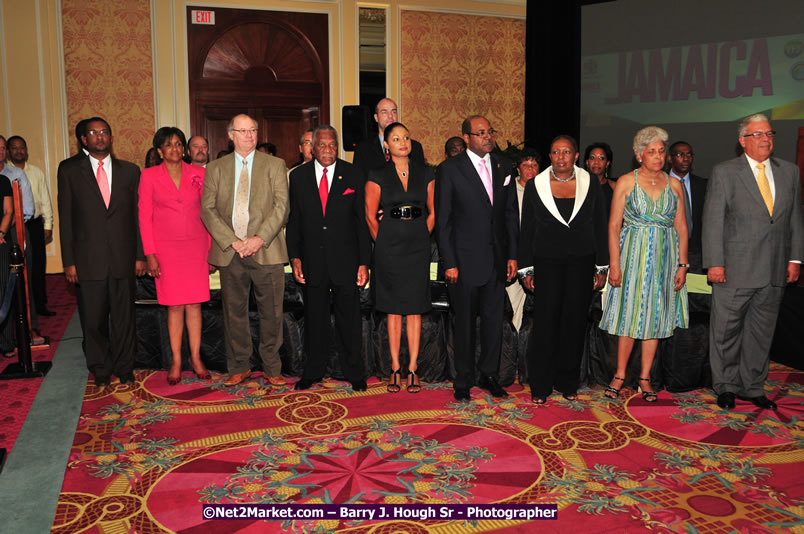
column 198, row 150
column 370, row 153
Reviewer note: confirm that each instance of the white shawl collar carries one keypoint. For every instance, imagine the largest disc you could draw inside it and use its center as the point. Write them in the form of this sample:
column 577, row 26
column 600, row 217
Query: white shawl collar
column 542, row 184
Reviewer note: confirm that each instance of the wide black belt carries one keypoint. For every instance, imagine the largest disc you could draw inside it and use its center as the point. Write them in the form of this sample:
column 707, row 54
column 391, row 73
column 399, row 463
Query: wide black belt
column 406, row 213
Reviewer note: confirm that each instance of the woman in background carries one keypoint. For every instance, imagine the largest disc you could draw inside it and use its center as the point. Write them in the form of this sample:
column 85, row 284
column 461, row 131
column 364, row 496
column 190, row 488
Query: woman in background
column 401, row 270
column 598, row 158
column 176, row 244
column 648, row 248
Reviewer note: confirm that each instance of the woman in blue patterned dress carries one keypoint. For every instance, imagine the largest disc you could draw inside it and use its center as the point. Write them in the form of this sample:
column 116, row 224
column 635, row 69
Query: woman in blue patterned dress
column 647, row 299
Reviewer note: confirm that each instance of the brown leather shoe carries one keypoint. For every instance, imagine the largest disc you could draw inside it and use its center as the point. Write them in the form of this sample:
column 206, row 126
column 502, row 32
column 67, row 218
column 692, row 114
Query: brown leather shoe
column 234, row 380
column 277, row 380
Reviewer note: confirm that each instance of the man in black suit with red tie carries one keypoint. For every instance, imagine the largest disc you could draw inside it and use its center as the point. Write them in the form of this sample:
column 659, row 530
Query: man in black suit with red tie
column 101, row 250
column 370, row 153
column 329, row 249
column 477, row 227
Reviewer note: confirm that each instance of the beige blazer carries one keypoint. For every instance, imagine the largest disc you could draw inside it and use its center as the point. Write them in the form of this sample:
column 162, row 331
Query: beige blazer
column 268, row 208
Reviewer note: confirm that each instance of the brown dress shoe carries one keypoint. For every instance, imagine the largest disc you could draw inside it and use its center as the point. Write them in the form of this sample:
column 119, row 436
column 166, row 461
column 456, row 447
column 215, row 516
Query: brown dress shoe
column 277, row 380
column 234, row 380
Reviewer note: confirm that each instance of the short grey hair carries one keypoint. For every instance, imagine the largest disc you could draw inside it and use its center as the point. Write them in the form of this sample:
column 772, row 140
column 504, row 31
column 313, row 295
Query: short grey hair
column 301, row 137
column 324, row 128
column 649, row 135
column 230, row 126
column 756, row 117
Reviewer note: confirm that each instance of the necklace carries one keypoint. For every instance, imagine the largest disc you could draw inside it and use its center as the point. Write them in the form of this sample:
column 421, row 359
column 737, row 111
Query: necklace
column 404, row 174
column 562, row 180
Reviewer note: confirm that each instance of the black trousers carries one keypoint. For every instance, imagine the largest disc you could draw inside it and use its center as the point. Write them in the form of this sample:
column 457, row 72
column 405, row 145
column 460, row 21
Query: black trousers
column 108, row 323
column 37, row 267
column 348, row 329
column 562, row 294
column 7, row 326
column 467, row 303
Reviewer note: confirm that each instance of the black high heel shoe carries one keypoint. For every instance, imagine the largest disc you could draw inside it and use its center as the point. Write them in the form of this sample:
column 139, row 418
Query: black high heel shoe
column 413, row 382
column 648, row 396
column 394, row 384
column 612, row 392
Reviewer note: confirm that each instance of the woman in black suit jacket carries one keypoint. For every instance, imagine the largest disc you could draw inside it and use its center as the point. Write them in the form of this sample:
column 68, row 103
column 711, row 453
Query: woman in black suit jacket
column 564, row 239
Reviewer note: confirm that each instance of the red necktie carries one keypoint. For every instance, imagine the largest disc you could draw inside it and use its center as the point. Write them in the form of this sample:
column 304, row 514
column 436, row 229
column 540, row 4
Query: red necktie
column 103, row 184
column 323, row 191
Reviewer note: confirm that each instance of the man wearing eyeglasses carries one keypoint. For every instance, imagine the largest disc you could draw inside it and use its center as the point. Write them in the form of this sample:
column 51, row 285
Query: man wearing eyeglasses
column 753, row 244
column 101, row 250
column 244, row 207
column 477, row 228
column 680, row 157
column 305, row 150
column 370, row 153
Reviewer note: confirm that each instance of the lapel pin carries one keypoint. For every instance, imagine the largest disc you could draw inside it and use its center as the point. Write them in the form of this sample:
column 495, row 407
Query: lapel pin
column 339, row 177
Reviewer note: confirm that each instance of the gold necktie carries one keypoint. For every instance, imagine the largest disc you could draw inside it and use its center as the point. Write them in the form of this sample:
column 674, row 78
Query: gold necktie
column 764, row 187
column 241, row 204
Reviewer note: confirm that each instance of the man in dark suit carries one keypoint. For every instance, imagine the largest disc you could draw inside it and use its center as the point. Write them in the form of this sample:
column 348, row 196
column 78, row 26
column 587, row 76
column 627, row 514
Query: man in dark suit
column 101, row 250
column 244, row 207
column 680, row 157
column 330, row 249
column 477, row 226
column 753, row 244
column 370, row 153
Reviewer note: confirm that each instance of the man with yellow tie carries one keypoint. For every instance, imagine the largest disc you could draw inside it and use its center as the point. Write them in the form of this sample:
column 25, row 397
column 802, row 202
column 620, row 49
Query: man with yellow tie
column 753, row 244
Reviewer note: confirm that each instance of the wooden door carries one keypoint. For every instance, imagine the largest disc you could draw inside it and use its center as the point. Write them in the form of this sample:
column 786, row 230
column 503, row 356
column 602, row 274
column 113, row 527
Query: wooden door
column 270, row 64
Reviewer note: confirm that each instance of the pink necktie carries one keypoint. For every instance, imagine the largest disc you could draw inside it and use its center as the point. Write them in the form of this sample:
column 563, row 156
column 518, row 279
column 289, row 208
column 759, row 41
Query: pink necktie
column 323, row 191
column 484, row 175
column 103, row 184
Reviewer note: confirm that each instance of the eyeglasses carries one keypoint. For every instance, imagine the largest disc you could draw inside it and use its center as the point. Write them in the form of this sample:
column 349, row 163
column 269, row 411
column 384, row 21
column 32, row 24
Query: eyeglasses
column 307, row 142
column 94, row 133
column 683, row 154
column 533, row 165
column 756, row 135
column 483, row 133
column 245, row 131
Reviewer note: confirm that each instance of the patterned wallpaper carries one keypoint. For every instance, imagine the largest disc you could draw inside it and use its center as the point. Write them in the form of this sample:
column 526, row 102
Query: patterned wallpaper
column 109, row 70
column 458, row 65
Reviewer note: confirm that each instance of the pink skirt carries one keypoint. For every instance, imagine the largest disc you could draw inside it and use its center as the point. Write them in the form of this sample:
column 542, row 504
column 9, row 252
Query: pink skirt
column 184, row 272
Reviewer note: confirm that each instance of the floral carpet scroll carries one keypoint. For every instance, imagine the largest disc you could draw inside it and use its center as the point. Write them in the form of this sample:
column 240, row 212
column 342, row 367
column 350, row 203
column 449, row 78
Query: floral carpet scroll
column 147, row 456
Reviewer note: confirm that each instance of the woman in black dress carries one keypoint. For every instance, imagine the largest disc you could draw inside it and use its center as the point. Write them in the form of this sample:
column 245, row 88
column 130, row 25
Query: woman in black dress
column 404, row 188
column 7, row 212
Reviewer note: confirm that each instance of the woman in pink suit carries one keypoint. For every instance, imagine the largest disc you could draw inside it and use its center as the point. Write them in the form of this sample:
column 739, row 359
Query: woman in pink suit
column 176, row 244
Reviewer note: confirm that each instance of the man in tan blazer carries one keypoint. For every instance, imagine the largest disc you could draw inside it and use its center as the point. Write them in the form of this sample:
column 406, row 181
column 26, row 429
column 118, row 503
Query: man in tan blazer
column 244, row 207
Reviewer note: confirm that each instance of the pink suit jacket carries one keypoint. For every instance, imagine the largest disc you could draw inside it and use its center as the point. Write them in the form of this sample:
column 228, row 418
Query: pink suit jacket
column 167, row 213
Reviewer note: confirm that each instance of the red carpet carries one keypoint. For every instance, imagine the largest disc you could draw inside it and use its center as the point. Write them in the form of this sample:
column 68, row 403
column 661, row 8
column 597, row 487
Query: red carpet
column 147, row 456
column 17, row 396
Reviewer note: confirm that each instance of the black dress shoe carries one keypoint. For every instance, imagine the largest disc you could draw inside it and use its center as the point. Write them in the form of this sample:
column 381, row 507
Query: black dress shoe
column 489, row 383
column 304, row 383
column 726, row 400
column 462, row 394
column 127, row 378
column 762, row 401
column 359, row 385
column 102, row 381
column 45, row 312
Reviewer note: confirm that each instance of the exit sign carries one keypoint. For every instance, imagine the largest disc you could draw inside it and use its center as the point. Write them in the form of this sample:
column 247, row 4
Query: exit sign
column 198, row 16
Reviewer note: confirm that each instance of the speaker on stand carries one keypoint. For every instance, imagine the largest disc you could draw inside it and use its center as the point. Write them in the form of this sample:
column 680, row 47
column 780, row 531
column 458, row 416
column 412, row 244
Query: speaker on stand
column 355, row 125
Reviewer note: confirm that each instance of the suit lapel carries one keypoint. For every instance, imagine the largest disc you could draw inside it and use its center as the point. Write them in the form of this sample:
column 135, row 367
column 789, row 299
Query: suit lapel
column 746, row 175
column 92, row 182
column 473, row 177
column 542, row 184
column 226, row 186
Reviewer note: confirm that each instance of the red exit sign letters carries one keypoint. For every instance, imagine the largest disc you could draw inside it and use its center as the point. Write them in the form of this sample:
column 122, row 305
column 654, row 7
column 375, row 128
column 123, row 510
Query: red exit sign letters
column 198, row 16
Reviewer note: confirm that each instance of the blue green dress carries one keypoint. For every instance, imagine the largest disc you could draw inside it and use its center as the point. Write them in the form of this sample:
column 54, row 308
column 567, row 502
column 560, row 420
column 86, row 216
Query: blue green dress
column 646, row 306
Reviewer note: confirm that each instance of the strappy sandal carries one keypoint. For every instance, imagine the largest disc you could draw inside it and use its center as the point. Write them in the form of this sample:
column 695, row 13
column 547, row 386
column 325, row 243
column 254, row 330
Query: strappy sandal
column 413, row 382
column 538, row 401
column 612, row 392
column 394, row 384
column 648, row 396
column 571, row 396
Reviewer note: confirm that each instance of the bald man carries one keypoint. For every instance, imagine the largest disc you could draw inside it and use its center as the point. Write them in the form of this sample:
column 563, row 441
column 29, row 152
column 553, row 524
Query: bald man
column 370, row 154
